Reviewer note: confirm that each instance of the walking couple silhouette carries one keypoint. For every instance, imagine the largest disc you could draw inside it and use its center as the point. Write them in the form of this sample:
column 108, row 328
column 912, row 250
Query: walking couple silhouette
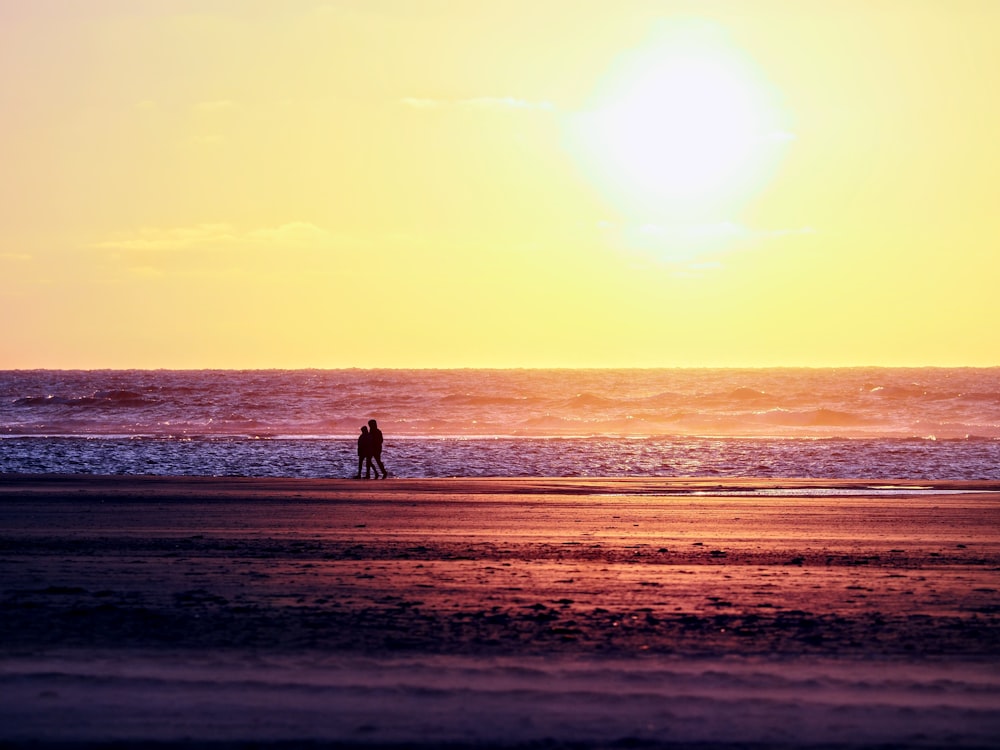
column 370, row 449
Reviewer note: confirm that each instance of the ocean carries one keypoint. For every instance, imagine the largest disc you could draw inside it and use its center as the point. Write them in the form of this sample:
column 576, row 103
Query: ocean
column 889, row 423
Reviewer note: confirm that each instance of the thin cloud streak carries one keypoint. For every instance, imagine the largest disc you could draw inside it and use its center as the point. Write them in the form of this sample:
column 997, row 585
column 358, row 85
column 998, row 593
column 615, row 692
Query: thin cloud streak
column 215, row 236
column 480, row 102
column 695, row 246
column 215, row 106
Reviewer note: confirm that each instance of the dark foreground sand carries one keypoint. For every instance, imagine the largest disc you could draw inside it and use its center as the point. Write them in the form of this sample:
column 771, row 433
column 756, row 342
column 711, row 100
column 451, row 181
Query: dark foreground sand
column 495, row 613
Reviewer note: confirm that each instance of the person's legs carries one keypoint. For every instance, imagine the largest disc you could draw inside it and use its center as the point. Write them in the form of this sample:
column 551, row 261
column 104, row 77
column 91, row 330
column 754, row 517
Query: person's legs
column 368, row 468
column 378, row 460
column 361, row 463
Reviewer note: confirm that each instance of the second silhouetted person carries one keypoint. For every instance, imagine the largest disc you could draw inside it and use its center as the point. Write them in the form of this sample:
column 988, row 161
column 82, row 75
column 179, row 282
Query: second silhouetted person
column 375, row 446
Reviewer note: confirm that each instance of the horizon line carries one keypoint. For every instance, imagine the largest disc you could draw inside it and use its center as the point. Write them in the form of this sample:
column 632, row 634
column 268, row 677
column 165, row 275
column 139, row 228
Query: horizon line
column 509, row 368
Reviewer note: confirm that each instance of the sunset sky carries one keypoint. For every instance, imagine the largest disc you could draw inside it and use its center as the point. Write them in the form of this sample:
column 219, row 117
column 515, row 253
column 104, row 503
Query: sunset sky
column 432, row 183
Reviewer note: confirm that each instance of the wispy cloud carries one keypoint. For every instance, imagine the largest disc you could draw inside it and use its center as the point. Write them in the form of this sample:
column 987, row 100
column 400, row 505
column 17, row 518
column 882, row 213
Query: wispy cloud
column 211, row 139
column 507, row 102
column 147, row 272
column 481, row 102
column 789, row 232
column 296, row 234
column 694, row 247
column 292, row 233
column 715, row 230
column 417, row 103
column 218, row 105
column 696, row 270
column 158, row 239
column 15, row 257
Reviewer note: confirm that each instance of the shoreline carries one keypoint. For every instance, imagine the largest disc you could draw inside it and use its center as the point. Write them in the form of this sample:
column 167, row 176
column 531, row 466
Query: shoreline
column 505, row 612
column 16, row 481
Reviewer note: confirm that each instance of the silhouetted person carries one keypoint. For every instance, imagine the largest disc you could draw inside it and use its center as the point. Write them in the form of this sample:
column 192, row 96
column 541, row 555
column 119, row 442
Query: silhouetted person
column 375, row 435
column 365, row 452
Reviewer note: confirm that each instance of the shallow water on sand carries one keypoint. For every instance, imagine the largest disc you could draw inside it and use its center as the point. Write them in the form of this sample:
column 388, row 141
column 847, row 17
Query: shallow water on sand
column 500, row 457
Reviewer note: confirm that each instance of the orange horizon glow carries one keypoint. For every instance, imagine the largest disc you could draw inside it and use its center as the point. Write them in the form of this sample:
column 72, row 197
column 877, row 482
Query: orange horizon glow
column 434, row 185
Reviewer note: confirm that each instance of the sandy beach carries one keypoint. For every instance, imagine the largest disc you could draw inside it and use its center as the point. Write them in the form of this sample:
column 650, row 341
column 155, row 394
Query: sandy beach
column 499, row 612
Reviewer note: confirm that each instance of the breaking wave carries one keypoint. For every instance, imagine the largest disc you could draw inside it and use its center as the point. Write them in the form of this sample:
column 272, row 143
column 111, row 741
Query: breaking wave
column 858, row 403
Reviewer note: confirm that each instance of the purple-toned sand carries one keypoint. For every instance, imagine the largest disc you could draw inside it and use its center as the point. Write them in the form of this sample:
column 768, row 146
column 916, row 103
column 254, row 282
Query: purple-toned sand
column 498, row 612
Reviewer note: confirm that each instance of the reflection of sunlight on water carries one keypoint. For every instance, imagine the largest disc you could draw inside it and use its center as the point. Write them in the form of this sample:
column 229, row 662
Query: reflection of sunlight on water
column 830, row 492
column 474, row 456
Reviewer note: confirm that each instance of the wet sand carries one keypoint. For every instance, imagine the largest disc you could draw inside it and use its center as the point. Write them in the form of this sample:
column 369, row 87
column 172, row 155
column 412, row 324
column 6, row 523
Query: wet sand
column 499, row 612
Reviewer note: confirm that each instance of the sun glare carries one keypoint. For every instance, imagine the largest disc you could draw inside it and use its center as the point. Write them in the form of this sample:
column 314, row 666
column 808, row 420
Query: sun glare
column 684, row 129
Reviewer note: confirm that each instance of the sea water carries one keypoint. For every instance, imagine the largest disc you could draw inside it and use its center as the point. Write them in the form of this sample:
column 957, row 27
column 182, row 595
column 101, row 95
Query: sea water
column 921, row 423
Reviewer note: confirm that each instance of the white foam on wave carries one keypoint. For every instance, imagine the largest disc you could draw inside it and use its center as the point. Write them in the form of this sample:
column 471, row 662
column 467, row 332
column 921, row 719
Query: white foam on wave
column 796, row 403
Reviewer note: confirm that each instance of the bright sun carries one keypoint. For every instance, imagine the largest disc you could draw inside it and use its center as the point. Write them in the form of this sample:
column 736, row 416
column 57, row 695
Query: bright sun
column 682, row 130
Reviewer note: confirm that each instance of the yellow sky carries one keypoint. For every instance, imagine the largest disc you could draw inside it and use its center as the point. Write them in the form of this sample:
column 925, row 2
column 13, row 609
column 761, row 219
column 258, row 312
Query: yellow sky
column 430, row 183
